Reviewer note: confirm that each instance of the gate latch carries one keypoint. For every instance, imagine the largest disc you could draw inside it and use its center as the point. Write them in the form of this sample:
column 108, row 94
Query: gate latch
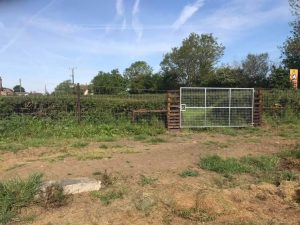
column 182, row 108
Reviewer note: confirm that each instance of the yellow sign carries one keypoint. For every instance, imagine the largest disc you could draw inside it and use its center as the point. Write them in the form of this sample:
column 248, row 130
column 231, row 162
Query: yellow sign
column 294, row 77
column 294, row 74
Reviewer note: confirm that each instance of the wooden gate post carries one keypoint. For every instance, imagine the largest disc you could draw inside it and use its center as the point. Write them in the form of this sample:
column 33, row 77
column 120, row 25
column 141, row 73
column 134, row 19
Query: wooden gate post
column 258, row 108
column 173, row 110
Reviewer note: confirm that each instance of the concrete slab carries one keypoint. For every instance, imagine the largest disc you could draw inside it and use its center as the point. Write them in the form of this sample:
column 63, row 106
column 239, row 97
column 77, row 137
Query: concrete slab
column 76, row 185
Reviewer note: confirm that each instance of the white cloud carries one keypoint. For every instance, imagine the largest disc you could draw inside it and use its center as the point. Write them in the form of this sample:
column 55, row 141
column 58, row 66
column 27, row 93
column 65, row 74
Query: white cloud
column 187, row 12
column 120, row 7
column 238, row 18
column 136, row 24
column 55, row 26
column 136, row 7
column 24, row 27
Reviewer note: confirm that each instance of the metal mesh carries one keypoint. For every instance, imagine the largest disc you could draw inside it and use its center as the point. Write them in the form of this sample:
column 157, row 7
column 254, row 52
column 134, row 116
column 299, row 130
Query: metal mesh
column 216, row 107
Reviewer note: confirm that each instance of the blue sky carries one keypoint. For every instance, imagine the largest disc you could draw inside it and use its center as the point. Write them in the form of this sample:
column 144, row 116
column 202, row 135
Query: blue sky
column 40, row 40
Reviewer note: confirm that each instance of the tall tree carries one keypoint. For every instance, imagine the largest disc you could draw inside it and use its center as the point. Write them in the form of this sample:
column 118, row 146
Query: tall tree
column 64, row 88
column 108, row 83
column 295, row 6
column 279, row 78
column 291, row 47
column 226, row 76
column 140, row 77
column 18, row 88
column 170, row 80
column 195, row 59
column 255, row 68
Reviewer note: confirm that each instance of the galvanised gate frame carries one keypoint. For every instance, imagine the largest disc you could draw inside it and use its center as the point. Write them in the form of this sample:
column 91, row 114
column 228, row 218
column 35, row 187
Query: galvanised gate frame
column 216, row 107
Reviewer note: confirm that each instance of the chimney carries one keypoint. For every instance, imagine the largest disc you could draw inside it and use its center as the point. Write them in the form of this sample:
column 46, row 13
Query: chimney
column 1, row 88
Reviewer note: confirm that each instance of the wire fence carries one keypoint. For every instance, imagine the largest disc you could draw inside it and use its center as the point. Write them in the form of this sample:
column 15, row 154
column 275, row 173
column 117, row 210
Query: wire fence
column 103, row 104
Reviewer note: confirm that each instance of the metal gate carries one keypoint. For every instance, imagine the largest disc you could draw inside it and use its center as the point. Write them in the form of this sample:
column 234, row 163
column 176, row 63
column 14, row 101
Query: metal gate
column 216, row 107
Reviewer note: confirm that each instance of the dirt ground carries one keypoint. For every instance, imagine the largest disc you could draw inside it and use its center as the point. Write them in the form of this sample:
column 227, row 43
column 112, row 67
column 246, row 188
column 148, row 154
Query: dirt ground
column 209, row 198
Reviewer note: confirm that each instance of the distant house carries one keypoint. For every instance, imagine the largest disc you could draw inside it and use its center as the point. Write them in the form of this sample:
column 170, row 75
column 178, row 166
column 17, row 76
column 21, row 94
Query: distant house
column 5, row 91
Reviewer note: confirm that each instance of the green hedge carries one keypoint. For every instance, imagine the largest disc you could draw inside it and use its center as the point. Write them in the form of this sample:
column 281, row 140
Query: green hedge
column 59, row 106
column 281, row 102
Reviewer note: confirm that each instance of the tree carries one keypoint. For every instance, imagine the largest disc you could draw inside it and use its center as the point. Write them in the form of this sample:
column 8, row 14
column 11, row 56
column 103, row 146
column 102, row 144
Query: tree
column 19, row 89
column 194, row 60
column 255, row 68
column 169, row 80
column 226, row 76
column 291, row 47
column 279, row 78
column 64, row 88
column 140, row 77
column 109, row 83
column 295, row 6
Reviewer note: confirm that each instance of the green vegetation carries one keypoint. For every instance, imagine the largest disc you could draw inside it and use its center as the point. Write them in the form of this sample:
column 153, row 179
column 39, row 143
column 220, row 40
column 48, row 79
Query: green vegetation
column 215, row 143
column 80, row 144
column 16, row 194
column 103, row 146
column 265, row 168
column 156, row 140
column 292, row 153
column 147, row 180
column 29, row 131
column 53, row 197
column 224, row 166
column 260, row 163
column 109, row 196
column 189, row 173
column 194, row 215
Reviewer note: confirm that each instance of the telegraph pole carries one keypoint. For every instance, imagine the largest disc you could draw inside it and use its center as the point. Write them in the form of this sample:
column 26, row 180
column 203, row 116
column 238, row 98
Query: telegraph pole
column 73, row 74
column 46, row 92
column 20, row 82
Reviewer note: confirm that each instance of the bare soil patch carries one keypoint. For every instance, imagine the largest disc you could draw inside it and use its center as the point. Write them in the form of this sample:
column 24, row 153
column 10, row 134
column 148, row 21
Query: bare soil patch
column 208, row 198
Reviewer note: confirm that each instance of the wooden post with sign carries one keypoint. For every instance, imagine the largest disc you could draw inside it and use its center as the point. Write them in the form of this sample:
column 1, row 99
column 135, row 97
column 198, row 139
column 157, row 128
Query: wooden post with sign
column 294, row 76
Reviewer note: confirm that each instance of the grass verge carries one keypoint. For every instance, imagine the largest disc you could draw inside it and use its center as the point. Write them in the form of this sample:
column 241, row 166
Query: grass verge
column 270, row 169
column 16, row 194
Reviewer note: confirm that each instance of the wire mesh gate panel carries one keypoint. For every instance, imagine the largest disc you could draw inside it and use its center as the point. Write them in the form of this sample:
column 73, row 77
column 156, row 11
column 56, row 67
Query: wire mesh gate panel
column 216, row 107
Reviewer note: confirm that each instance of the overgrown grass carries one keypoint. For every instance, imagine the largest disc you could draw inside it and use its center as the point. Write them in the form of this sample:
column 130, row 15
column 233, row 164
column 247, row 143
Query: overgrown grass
column 103, row 146
column 216, row 144
column 21, row 132
column 16, row 194
column 224, row 166
column 292, row 153
column 194, row 214
column 144, row 180
column 265, row 168
column 156, row 140
column 53, row 197
column 109, row 196
column 80, row 144
column 189, row 173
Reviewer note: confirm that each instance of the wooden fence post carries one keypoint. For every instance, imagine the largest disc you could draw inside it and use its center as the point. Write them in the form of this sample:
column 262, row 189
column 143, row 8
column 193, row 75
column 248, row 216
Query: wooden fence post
column 258, row 108
column 173, row 110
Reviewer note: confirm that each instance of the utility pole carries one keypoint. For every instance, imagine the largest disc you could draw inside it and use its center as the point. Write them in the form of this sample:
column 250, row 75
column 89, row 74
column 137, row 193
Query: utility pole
column 73, row 74
column 46, row 92
column 20, row 89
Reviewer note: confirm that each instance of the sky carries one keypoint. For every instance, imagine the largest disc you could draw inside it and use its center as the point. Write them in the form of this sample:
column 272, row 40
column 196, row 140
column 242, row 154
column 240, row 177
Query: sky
column 40, row 40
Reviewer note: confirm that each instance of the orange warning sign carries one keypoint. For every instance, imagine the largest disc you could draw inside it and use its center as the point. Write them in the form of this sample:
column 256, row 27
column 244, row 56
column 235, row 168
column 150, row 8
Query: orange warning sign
column 294, row 77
